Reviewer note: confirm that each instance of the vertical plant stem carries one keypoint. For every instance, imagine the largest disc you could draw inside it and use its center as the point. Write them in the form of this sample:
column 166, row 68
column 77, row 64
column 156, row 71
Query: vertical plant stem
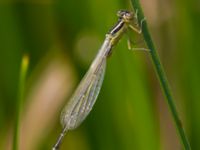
column 21, row 87
column 161, row 75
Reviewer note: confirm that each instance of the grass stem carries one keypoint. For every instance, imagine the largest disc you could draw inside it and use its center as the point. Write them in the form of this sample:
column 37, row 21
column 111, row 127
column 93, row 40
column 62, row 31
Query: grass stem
column 161, row 75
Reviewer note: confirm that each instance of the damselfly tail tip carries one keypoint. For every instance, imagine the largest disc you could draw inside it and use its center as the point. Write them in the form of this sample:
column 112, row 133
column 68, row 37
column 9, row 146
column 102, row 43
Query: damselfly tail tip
column 60, row 139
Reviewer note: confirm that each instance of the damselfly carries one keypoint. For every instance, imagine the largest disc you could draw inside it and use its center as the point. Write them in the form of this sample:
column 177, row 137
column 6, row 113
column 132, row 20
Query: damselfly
column 85, row 95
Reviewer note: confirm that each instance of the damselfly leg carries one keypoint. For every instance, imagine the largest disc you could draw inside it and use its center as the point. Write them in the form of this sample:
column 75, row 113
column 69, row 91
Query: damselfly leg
column 138, row 30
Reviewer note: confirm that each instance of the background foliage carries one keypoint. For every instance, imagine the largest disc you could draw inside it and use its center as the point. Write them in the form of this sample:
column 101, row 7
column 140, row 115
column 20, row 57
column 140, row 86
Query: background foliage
column 62, row 37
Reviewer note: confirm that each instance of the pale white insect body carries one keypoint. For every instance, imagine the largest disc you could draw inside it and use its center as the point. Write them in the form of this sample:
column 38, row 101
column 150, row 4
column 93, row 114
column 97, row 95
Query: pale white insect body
column 84, row 97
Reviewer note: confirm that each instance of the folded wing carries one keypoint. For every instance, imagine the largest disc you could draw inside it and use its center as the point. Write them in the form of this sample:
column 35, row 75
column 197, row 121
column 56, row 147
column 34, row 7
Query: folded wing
column 85, row 96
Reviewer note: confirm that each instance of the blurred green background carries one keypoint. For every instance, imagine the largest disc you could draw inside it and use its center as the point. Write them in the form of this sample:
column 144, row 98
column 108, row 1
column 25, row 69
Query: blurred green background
column 62, row 37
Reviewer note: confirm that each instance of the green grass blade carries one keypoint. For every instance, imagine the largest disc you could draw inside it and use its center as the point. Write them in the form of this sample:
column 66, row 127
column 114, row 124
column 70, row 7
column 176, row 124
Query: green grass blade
column 161, row 75
column 22, row 78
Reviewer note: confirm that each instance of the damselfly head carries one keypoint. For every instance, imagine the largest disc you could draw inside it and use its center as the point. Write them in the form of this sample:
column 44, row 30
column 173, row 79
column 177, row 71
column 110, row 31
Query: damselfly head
column 126, row 15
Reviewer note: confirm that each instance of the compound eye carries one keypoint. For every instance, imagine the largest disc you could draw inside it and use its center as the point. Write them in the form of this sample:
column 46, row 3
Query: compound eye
column 128, row 15
column 120, row 13
column 125, row 15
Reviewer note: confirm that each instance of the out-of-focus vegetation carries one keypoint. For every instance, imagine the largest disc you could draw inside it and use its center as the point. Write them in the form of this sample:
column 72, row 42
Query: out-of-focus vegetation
column 61, row 38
